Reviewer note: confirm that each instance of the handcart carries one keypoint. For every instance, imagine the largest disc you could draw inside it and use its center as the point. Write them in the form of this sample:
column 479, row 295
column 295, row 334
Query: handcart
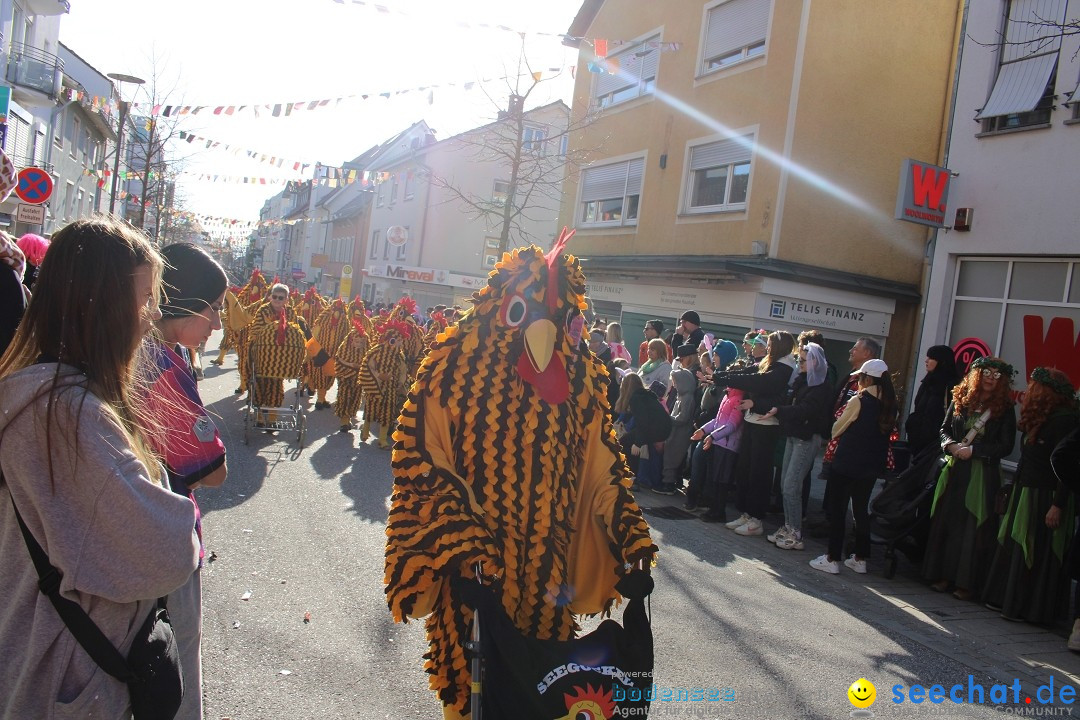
column 270, row 361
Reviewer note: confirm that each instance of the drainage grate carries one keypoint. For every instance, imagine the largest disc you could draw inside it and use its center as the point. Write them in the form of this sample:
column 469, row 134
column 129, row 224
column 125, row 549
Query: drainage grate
column 669, row 512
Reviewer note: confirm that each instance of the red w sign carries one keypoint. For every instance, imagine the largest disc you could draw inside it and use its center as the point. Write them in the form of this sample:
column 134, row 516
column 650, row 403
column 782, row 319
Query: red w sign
column 1058, row 348
column 924, row 193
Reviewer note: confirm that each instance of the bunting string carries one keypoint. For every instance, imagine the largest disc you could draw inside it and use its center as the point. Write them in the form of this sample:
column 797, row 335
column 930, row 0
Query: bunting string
column 255, row 155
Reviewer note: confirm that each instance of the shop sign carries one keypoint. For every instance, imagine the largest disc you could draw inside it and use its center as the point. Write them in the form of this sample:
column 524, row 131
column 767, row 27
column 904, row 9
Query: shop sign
column 319, row 260
column 410, row 273
column 823, row 315
column 673, row 299
column 923, row 194
column 1056, row 345
column 967, row 351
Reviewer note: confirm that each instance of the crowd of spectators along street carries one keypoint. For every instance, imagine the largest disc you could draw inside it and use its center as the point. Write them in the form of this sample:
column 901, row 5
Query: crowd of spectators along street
column 723, row 425
column 95, row 376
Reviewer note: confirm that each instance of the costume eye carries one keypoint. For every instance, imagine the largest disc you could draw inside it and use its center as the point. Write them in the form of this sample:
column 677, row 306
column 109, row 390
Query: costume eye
column 392, row 342
column 514, row 310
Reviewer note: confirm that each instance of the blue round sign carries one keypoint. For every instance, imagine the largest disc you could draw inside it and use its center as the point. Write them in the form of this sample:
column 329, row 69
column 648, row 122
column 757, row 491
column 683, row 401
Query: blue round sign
column 35, row 185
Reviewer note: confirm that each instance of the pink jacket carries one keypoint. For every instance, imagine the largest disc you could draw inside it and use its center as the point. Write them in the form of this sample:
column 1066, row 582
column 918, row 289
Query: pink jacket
column 726, row 427
column 618, row 350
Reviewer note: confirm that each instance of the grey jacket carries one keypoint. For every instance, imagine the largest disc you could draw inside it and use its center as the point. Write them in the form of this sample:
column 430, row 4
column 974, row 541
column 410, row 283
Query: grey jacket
column 119, row 540
column 685, row 409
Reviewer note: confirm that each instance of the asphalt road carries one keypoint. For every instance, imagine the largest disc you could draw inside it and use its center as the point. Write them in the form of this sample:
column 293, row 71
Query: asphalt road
column 302, row 532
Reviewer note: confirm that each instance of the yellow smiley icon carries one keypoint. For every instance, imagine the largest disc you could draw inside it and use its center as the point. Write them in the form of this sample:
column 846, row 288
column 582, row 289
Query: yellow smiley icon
column 862, row 693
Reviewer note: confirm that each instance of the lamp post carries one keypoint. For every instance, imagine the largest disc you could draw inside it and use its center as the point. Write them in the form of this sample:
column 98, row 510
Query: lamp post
column 120, row 78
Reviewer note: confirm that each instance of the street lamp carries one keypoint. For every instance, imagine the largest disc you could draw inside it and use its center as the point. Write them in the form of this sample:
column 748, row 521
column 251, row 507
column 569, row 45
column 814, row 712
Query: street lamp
column 120, row 78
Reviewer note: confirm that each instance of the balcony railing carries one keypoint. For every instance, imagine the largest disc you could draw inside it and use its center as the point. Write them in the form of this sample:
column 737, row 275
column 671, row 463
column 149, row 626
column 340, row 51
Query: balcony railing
column 34, row 68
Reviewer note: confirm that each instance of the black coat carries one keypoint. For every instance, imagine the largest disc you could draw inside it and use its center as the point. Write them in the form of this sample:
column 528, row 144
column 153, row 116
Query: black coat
column 12, row 305
column 1066, row 461
column 767, row 390
column 652, row 423
column 996, row 441
column 809, row 411
column 693, row 340
column 924, row 423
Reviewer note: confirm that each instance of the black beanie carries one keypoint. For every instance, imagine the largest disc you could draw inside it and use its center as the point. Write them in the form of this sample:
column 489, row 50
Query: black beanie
column 191, row 282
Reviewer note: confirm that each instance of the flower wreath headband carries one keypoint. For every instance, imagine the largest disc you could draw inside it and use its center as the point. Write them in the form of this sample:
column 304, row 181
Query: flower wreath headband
column 1000, row 365
column 1061, row 387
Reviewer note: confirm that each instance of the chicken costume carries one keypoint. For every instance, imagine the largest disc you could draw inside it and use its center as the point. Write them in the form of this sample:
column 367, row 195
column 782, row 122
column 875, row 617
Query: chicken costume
column 383, row 379
column 348, row 358
column 251, row 296
column 506, row 456
column 330, row 329
column 273, row 330
column 311, row 306
column 233, row 320
column 437, row 325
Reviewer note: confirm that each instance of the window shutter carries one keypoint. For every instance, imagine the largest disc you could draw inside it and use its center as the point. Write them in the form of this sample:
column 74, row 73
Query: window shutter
column 1023, row 75
column 634, row 63
column 734, row 25
column 720, row 153
column 604, row 183
column 650, row 62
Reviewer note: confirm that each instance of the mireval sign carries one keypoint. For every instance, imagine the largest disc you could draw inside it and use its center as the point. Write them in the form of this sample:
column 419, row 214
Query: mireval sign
column 923, row 194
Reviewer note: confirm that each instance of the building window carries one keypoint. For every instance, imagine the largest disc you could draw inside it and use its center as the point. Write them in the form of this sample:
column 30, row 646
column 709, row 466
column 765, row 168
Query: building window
column 628, row 74
column 1023, row 92
column 564, row 143
column 84, row 146
column 719, row 175
column 490, row 259
column 393, row 190
column 735, row 31
column 500, row 191
column 76, row 137
column 410, row 189
column 532, row 139
column 610, row 194
column 379, row 195
column 69, row 194
column 375, row 236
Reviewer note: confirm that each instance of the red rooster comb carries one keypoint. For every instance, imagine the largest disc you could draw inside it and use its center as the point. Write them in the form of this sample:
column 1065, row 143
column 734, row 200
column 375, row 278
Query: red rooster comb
column 359, row 327
column 396, row 325
column 407, row 304
column 552, row 258
column 310, row 294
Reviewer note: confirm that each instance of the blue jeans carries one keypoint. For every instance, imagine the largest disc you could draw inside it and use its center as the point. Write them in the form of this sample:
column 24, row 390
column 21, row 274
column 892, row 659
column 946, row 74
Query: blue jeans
column 650, row 470
column 798, row 459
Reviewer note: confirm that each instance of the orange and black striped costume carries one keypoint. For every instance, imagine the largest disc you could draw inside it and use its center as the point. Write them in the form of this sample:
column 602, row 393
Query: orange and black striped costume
column 506, row 457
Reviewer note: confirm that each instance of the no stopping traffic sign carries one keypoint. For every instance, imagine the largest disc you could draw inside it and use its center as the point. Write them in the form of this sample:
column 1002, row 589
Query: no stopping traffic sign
column 35, row 185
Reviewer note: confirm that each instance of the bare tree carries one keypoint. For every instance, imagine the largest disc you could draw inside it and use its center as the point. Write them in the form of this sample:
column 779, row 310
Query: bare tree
column 537, row 165
column 1049, row 31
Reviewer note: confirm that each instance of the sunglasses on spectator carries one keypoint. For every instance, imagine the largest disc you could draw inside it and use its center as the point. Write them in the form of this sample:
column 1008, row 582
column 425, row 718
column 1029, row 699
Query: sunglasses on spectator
column 989, row 373
column 279, row 297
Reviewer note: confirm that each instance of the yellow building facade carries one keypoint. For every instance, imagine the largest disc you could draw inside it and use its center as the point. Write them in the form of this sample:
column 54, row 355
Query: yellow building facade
column 745, row 159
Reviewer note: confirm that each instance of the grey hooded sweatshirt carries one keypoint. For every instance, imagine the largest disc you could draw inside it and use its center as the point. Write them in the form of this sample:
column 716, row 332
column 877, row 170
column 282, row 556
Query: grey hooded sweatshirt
column 119, row 540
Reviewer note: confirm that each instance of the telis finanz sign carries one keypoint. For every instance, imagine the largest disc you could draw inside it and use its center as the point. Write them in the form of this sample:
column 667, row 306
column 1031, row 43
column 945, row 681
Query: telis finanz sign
column 924, row 193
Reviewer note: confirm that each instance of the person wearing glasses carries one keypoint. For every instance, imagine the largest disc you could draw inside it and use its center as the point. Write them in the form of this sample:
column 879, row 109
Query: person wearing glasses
column 270, row 391
column 978, row 431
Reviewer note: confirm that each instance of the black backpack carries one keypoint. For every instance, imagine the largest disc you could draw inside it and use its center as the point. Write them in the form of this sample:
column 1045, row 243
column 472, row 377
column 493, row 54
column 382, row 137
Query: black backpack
column 652, row 423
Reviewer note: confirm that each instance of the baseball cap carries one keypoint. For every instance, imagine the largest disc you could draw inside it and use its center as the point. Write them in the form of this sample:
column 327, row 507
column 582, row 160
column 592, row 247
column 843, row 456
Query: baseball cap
column 874, row 368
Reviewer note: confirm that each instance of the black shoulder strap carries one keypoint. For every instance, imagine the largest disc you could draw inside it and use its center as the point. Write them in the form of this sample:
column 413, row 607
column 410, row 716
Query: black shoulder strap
column 88, row 634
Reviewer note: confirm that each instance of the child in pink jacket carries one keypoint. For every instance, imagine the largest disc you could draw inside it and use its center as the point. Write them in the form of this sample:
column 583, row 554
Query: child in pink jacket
column 713, row 463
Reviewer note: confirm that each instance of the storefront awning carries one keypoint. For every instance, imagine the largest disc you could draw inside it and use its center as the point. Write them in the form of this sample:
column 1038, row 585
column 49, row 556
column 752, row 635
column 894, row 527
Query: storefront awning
column 740, row 268
column 1019, row 86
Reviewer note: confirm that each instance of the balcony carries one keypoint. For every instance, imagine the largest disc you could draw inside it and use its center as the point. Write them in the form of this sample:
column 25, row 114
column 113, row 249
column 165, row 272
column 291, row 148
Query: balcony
column 48, row 7
column 30, row 67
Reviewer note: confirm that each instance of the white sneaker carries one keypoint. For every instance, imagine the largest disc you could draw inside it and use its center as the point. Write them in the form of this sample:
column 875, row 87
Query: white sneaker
column 823, row 563
column 858, row 566
column 1074, row 638
column 751, row 527
column 736, row 523
column 791, row 541
column 779, row 535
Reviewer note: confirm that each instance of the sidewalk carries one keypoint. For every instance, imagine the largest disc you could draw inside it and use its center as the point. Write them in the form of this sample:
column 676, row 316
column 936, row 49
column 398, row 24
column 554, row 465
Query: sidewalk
column 964, row 631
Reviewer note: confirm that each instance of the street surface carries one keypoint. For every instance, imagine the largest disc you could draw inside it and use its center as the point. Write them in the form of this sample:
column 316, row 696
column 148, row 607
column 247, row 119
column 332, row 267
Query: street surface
column 301, row 534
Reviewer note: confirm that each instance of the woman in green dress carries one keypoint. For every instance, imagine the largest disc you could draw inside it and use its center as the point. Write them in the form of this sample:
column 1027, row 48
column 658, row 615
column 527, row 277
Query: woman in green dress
column 979, row 430
column 1029, row 579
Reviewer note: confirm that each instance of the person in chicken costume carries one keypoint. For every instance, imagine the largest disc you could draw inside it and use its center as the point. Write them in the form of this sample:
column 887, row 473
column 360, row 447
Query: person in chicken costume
column 357, row 312
column 330, row 329
column 311, row 306
column 233, row 320
column 251, row 296
column 413, row 346
column 348, row 358
column 268, row 325
column 506, row 459
column 437, row 325
column 383, row 378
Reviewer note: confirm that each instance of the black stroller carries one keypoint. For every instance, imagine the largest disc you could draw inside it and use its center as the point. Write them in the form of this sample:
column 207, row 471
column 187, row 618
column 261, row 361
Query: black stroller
column 900, row 513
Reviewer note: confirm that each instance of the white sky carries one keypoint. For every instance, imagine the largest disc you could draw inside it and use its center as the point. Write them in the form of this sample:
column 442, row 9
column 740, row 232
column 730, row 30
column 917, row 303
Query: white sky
column 234, row 52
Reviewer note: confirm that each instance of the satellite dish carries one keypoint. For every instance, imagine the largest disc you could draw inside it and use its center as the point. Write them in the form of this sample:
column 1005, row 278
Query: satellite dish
column 396, row 235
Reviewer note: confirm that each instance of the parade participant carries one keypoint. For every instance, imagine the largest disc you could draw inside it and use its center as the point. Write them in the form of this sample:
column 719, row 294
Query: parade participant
column 231, row 326
column 1029, row 577
column 357, row 311
column 75, row 466
column 862, row 433
column 185, row 437
column 978, row 431
column 251, row 297
column 269, row 326
column 309, row 308
column 413, row 346
column 437, row 325
column 383, row 378
column 330, row 329
column 507, row 463
column 347, row 359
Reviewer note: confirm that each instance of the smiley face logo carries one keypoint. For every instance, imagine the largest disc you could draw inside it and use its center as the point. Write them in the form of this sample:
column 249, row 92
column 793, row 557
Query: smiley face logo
column 862, row 693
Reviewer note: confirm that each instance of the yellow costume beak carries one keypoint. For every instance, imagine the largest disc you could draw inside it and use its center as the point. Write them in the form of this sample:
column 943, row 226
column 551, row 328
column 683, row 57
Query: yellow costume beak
column 540, row 343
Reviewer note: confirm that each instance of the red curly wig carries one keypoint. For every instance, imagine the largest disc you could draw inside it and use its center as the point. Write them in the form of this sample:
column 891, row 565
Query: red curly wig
column 968, row 395
column 1039, row 402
